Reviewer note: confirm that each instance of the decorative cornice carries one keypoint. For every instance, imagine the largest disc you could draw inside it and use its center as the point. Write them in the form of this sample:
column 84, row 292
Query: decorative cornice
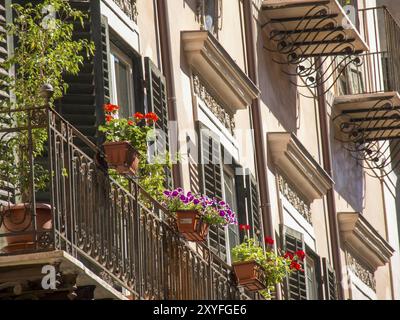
column 294, row 198
column 210, row 60
column 359, row 236
column 363, row 273
column 304, row 173
column 129, row 7
column 211, row 102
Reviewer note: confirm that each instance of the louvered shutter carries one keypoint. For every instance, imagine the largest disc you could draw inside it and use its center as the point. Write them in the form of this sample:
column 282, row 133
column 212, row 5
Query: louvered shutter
column 248, row 203
column 211, row 181
column 157, row 102
column 296, row 288
column 330, row 285
column 7, row 190
column 82, row 105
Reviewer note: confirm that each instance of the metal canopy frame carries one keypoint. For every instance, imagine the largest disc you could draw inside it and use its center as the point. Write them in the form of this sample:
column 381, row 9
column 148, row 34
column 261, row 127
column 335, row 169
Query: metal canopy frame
column 300, row 31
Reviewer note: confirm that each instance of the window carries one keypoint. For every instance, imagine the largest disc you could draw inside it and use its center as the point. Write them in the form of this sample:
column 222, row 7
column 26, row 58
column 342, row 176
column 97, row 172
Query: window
column 121, row 69
column 350, row 80
column 209, row 15
column 351, row 9
column 311, row 270
column 230, row 198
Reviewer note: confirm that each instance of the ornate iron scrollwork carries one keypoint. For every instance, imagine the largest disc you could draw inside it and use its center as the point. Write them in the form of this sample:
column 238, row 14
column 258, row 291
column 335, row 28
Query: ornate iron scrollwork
column 367, row 134
column 316, row 34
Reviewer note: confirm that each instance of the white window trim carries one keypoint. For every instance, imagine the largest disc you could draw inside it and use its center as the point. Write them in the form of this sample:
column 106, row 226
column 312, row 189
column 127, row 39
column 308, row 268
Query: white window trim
column 293, row 219
column 361, row 286
column 121, row 23
column 206, row 117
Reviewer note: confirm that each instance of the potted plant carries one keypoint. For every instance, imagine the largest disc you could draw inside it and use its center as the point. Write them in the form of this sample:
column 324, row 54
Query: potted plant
column 126, row 138
column 44, row 52
column 259, row 270
column 195, row 214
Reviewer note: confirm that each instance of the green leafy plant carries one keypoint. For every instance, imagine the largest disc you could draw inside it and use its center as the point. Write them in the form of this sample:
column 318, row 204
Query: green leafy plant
column 275, row 265
column 44, row 52
column 138, row 130
column 211, row 210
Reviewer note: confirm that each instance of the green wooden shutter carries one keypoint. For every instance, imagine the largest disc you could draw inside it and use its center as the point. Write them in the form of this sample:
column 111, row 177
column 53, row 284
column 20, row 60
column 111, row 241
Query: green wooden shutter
column 83, row 103
column 7, row 193
column 296, row 288
column 157, row 102
column 248, row 203
column 211, row 181
column 329, row 280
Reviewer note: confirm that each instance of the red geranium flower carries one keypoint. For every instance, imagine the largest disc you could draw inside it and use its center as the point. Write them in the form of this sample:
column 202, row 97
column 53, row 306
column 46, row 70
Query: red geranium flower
column 130, row 122
column 300, row 254
column 269, row 240
column 138, row 115
column 109, row 118
column 110, row 107
column 288, row 255
column 151, row 116
column 295, row 266
column 244, row 227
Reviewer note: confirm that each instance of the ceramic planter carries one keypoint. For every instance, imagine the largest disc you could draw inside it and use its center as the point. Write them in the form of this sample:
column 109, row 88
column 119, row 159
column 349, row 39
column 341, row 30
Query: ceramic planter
column 122, row 157
column 191, row 226
column 18, row 219
column 250, row 275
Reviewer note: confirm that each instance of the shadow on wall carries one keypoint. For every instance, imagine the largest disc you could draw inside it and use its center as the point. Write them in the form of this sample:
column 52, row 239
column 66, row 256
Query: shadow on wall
column 191, row 3
column 395, row 157
column 348, row 176
column 278, row 93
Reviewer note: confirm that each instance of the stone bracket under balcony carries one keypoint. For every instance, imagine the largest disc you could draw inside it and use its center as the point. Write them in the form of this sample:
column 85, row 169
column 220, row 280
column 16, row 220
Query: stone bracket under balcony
column 297, row 164
column 310, row 28
column 21, row 277
column 367, row 118
column 364, row 240
column 215, row 66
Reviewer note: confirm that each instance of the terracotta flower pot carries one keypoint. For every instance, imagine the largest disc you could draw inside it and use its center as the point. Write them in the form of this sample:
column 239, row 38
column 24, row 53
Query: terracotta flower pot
column 191, row 226
column 250, row 275
column 122, row 157
column 18, row 218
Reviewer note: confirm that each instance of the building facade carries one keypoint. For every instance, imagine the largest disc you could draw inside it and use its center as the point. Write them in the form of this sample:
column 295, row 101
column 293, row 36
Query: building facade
column 287, row 110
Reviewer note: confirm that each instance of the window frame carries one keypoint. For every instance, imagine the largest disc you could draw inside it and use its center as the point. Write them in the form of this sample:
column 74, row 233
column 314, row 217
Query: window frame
column 116, row 52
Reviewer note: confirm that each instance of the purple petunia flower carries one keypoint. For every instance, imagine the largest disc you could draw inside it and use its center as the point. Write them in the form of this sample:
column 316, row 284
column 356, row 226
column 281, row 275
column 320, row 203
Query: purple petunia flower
column 175, row 193
column 167, row 193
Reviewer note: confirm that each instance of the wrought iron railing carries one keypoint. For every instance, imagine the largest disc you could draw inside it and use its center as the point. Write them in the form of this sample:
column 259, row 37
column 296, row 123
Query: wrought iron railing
column 379, row 69
column 121, row 234
column 377, row 74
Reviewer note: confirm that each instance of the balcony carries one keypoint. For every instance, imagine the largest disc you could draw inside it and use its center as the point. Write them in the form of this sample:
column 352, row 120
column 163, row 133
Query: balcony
column 366, row 108
column 104, row 241
column 298, row 32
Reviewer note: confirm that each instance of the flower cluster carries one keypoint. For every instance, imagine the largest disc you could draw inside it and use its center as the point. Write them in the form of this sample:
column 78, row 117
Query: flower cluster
column 275, row 265
column 212, row 210
column 294, row 259
column 112, row 109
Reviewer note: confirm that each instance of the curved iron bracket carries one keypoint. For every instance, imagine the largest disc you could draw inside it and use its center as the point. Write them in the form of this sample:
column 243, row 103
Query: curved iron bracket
column 317, row 34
